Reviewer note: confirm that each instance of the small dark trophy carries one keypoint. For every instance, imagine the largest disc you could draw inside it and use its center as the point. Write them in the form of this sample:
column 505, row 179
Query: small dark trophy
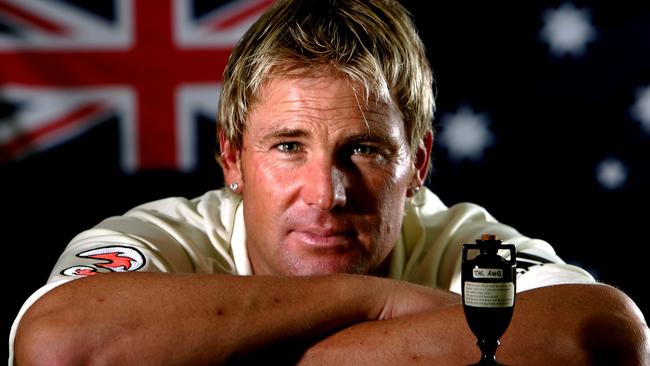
column 488, row 285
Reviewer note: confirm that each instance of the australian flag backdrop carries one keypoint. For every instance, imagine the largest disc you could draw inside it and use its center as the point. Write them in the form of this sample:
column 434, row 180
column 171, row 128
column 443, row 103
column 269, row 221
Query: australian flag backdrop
column 543, row 118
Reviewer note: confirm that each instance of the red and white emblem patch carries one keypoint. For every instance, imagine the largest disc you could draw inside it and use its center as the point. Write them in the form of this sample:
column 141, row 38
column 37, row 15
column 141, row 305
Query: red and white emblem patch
column 79, row 271
column 113, row 258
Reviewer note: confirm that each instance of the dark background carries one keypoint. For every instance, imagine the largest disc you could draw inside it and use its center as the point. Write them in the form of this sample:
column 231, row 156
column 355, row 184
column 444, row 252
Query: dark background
column 554, row 119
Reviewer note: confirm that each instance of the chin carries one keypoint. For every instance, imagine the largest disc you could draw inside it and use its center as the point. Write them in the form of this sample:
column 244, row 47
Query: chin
column 329, row 266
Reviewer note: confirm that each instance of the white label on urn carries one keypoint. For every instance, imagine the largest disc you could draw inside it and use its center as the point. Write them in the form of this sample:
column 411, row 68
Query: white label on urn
column 489, row 295
column 487, row 273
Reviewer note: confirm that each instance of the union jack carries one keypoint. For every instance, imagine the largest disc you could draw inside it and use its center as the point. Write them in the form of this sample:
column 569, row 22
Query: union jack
column 65, row 65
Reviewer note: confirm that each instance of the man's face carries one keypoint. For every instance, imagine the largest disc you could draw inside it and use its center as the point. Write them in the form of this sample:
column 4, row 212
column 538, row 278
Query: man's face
column 323, row 178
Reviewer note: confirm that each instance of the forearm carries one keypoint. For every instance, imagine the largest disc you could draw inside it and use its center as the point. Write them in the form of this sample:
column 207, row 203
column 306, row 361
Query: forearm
column 184, row 319
column 559, row 325
column 190, row 319
column 431, row 338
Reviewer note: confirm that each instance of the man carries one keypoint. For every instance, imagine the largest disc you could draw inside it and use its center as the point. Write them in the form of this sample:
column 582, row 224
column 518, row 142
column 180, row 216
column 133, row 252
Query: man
column 325, row 248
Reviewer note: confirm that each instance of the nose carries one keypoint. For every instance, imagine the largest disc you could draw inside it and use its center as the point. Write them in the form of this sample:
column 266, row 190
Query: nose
column 324, row 186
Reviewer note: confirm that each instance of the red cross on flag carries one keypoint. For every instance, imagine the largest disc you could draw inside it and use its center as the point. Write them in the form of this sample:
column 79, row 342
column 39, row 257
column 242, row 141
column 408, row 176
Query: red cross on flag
column 66, row 65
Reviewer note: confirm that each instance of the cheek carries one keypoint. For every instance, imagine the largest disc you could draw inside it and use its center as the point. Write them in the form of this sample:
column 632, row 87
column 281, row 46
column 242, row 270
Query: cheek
column 391, row 195
column 395, row 172
column 271, row 170
column 391, row 222
column 389, row 184
column 383, row 197
column 264, row 179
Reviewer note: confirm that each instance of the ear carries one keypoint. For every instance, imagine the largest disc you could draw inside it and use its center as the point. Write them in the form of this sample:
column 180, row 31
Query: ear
column 421, row 161
column 230, row 163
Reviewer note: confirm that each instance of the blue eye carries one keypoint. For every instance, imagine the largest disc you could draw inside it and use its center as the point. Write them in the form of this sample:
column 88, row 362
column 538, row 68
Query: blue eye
column 288, row 147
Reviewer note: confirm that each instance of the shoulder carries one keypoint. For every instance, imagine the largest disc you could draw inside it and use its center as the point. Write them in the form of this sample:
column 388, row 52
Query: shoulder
column 175, row 206
column 428, row 208
column 213, row 206
column 173, row 234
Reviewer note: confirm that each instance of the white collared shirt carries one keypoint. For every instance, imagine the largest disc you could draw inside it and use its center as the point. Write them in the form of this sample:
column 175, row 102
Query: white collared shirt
column 207, row 235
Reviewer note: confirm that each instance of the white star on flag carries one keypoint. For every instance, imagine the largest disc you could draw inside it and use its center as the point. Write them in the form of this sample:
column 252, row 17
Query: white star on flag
column 567, row 30
column 465, row 134
column 641, row 108
column 611, row 173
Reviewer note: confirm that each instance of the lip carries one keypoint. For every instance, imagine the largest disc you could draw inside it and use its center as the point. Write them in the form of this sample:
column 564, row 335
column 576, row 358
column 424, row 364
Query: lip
column 324, row 238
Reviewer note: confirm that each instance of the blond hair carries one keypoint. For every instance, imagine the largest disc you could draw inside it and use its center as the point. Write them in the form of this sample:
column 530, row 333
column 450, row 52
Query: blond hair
column 374, row 43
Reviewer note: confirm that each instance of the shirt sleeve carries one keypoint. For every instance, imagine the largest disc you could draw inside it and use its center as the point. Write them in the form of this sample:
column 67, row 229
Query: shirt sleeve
column 170, row 235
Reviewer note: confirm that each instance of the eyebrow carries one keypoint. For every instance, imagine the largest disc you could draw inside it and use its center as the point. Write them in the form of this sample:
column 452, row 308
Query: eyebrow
column 282, row 133
column 370, row 137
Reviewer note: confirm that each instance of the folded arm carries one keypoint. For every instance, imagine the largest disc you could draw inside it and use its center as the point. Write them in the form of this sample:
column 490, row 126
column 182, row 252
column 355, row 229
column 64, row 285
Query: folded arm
column 558, row 325
column 141, row 318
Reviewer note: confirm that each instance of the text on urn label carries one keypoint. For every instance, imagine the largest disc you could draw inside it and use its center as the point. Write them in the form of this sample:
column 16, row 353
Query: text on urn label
column 489, row 295
column 487, row 273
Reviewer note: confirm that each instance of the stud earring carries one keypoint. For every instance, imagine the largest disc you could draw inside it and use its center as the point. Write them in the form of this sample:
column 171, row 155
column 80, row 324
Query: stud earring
column 234, row 186
column 414, row 190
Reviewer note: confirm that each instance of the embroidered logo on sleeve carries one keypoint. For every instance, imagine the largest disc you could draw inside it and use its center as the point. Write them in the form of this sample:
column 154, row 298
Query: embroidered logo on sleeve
column 79, row 271
column 525, row 261
column 113, row 258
